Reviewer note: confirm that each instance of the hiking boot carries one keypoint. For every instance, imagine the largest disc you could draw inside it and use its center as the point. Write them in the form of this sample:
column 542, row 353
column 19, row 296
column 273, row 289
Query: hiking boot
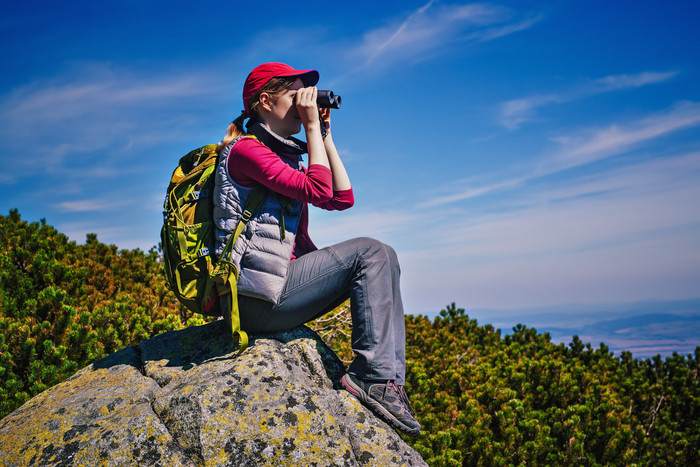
column 386, row 399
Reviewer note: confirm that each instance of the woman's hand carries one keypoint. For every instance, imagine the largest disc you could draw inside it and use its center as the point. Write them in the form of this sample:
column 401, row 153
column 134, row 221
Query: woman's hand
column 326, row 118
column 307, row 107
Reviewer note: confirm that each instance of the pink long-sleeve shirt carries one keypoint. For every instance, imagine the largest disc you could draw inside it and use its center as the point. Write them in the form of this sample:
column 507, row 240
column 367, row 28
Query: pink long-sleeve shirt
column 252, row 162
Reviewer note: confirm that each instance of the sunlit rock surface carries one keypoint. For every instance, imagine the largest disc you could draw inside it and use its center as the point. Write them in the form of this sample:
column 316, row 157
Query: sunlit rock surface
column 185, row 398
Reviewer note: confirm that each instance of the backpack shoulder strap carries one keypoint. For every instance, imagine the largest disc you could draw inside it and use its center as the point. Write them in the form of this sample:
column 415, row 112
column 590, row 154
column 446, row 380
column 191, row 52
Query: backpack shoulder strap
column 227, row 273
column 252, row 206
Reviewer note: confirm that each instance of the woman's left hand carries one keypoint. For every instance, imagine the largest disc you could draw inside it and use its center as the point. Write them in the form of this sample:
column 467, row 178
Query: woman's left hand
column 326, row 117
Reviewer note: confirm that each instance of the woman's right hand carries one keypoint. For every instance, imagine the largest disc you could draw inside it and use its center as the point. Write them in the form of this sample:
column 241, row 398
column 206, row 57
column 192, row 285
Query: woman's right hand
column 307, row 107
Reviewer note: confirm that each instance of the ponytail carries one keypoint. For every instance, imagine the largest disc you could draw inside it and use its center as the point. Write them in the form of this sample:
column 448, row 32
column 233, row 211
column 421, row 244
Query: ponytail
column 234, row 130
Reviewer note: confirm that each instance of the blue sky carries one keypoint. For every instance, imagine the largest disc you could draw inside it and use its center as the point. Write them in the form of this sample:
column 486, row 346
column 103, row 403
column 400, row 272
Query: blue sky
column 516, row 154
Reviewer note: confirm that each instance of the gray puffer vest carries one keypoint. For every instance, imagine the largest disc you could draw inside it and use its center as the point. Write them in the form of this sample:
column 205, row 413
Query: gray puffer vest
column 261, row 254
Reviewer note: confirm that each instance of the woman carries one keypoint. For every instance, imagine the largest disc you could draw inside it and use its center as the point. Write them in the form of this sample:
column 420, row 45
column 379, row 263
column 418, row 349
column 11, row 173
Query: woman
column 284, row 280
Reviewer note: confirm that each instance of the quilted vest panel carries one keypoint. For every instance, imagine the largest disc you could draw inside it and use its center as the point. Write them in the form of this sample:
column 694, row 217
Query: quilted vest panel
column 261, row 254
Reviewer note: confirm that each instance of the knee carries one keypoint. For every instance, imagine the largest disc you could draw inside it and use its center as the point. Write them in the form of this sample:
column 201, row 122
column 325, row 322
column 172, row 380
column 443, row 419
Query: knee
column 391, row 252
column 370, row 247
column 393, row 258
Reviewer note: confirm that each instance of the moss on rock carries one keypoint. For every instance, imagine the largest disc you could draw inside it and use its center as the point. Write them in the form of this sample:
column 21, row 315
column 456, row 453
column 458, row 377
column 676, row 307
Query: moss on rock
column 186, row 398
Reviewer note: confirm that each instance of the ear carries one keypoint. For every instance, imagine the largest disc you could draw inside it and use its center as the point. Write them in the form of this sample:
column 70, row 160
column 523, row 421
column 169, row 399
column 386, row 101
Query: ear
column 265, row 101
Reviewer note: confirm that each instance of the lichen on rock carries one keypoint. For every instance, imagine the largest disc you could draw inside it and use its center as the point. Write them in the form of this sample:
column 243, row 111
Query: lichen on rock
column 186, row 398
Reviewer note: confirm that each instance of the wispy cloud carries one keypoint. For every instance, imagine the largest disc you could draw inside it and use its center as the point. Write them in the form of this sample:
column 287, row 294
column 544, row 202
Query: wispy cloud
column 501, row 31
column 92, row 205
column 598, row 236
column 95, row 108
column 377, row 43
column 610, row 83
column 586, row 147
column 95, row 89
column 588, row 212
column 562, row 217
column 513, row 113
column 433, row 26
column 616, row 139
column 470, row 192
column 611, row 233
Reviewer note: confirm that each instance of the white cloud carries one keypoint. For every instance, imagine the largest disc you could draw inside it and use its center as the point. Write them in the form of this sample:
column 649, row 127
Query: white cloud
column 589, row 213
column 617, row 139
column 94, row 90
column 513, row 113
column 92, row 205
column 469, row 192
column 433, row 26
column 625, row 234
column 595, row 145
column 642, row 213
column 501, row 31
column 95, row 111
column 625, row 81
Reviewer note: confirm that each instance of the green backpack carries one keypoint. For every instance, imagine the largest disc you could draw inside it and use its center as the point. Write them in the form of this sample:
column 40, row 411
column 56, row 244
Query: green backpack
column 191, row 268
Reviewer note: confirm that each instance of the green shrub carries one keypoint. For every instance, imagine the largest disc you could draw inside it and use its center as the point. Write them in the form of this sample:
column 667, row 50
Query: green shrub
column 481, row 398
column 63, row 305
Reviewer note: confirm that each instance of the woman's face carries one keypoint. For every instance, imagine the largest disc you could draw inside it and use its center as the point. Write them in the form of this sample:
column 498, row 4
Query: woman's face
column 283, row 117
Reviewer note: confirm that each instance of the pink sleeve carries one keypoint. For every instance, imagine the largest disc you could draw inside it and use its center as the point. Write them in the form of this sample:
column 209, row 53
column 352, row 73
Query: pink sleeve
column 251, row 161
column 340, row 201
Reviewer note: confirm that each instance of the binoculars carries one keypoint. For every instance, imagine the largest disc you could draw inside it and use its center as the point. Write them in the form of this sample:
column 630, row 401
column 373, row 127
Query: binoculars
column 328, row 100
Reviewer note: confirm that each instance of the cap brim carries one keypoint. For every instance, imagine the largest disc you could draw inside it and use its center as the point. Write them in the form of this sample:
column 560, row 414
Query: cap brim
column 308, row 77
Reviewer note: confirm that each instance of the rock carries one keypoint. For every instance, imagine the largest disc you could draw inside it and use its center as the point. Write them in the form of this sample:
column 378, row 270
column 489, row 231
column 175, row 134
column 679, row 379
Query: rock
column 184, row 398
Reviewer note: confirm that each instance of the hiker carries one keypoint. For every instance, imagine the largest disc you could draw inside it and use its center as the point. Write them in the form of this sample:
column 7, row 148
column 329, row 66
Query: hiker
column 284, row 279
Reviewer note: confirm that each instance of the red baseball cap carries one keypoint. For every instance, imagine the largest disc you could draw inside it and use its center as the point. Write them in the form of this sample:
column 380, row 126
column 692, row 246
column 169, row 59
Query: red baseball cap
column 263, row 73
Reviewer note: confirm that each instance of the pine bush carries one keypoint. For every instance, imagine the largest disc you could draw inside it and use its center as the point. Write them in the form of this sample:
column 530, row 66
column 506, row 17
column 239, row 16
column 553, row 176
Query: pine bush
column 481, row 398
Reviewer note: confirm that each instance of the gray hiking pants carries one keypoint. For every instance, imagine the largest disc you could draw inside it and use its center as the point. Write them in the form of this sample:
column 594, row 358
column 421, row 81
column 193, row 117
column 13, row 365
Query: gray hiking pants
column 362, row 269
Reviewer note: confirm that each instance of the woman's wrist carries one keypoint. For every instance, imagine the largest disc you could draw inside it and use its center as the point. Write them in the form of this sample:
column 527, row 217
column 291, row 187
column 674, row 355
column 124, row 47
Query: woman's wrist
column 312, row 126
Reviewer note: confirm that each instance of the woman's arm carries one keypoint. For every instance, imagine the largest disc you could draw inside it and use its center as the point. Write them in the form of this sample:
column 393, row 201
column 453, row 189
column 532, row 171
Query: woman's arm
column 341, row 181
column 325, row 183
column 252, row 162
column 340, row 201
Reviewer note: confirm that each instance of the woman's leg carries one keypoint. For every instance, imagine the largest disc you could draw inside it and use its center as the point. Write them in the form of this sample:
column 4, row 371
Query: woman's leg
column 399, row 326
column 367, row 271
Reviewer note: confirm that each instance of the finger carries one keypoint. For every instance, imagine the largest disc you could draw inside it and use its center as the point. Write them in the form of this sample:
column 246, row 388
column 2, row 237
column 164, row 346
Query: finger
column 311, row 92
column 306, row 96
column 301, row 98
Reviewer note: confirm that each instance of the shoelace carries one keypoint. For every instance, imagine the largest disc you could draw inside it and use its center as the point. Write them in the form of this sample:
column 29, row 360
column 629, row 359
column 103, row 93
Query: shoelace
column 403, row 397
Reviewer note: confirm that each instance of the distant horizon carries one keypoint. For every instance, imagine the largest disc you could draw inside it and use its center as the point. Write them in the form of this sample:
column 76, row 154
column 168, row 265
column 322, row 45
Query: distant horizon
column 645, row 328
